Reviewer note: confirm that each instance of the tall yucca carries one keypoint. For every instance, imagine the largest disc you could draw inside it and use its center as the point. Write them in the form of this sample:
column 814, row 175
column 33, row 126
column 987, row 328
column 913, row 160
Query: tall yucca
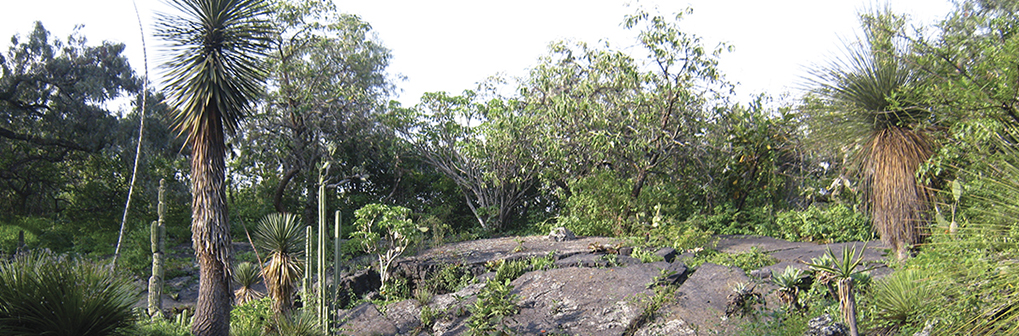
column 866, row 101
column 212, row 80
column 283, row 236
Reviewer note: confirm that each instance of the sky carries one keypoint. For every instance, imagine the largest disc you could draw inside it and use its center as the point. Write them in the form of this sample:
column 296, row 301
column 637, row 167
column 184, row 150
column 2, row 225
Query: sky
column 451, row 45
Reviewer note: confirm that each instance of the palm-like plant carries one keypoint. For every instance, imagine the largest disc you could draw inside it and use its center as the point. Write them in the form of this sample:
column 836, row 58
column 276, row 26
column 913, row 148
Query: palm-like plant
column 842, row 269
column 788, row 283
column 246, row 274
column 866, row 94
column 212, row 81
column 282, row 235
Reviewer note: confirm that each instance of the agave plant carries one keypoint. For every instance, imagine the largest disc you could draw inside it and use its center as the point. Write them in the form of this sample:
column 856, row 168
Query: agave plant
column 42, row 294
column 246, row 274
column 788, row 283
column 843, row 270
column 282, row 236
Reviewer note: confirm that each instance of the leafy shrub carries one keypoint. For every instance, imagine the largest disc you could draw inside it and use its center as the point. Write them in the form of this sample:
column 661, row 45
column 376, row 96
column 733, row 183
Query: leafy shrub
column 495, row 303
column 450, row 278
column 832, row 224
column 44, row 294
column 600, row 200
column 646, row 255
column 747, row 261
column 160, row 326
column 386, row 232
column 251, row 318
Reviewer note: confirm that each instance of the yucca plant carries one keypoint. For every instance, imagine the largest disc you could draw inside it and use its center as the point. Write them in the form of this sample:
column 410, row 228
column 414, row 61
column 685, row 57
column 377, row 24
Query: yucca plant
column 44, row 294
column 843, row 270
column 283, row 237
column 788, row 283
column 247, row 275
column 866, row 103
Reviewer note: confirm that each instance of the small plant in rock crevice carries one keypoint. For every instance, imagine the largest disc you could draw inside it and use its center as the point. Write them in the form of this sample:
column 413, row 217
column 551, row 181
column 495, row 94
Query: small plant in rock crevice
column 495, row 305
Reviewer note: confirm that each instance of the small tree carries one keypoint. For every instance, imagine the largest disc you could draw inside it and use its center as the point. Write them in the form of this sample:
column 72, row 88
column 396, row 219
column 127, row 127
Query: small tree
column 386, row 231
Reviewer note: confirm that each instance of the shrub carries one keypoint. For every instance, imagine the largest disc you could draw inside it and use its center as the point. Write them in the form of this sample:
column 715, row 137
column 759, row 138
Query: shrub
column 44, row 294
column 833, row 224
column 495, row 303
column 747, row 261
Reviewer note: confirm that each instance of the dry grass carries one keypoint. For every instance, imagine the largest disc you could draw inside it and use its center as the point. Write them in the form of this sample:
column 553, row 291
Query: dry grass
column 898, row 202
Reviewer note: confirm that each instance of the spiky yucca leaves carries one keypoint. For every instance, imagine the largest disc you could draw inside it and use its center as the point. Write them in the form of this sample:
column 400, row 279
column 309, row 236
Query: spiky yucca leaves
column 901, row 296
column 842, row 270
column 282, row 235
column 43, row 294
column 297, row 324
column 246, row 274
column 867, row 103
column 213, row 79
column 788, row 283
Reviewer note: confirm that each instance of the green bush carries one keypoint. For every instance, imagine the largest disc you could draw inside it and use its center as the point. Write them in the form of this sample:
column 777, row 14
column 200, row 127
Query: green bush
column 747, row 261
column 44, row 294
column 835, row 223
column 449, row 279
column 494, row 305
column 251, row 318
column 599, row 202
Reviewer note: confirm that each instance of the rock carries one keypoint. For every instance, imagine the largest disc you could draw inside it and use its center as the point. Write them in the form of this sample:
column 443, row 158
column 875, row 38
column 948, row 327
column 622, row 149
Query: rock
column 761, row 273
column 626, row 251
column 561, row 234
column 823, row 326
column 583, row 301
column 668, row 253
column 359, row 284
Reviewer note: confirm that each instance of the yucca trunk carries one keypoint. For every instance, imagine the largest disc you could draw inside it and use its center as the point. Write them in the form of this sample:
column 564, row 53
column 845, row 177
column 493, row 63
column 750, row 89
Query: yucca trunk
column 898, row 201
column 210, row 231
column 847, row 304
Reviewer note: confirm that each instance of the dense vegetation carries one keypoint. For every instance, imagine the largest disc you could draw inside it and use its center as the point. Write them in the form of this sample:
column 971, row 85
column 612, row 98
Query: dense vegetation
column 910, row 136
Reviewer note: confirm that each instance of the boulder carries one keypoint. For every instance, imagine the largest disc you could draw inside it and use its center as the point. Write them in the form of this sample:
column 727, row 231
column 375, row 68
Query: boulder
column 824, row 326
column 561, row 234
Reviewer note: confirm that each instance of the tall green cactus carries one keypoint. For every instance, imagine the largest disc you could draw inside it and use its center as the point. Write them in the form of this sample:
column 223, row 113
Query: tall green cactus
column 158, row 238
column 320, row 271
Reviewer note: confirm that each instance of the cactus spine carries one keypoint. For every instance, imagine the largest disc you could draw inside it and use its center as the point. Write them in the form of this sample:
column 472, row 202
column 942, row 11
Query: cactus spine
column 158, row 237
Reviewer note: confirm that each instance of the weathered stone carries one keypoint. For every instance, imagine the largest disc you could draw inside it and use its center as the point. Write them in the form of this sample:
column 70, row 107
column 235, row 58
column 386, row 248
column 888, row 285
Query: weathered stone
column 561, row 234
column 761, row 273
column 823, row 326
column 668, row 253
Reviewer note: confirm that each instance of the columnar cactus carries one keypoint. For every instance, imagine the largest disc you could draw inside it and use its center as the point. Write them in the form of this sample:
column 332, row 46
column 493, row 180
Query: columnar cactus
column 158, row 238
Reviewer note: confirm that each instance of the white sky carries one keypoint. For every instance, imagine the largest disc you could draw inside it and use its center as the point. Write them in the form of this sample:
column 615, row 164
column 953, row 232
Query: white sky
column 450, row 45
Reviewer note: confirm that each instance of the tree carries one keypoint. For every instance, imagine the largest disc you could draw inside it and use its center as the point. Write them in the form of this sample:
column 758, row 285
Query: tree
column 328, row 91
column 868, row 96
column 486, row 148
column 602, row 108
column 53, row 100
column 213, row 80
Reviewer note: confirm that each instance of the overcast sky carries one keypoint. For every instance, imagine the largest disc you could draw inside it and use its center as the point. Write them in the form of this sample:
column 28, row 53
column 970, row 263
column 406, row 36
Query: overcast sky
column 449, row 45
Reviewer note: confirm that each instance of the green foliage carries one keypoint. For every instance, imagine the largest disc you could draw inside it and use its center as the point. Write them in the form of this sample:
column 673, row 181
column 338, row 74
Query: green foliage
column 835, row 223
column 251, row 318
column 681, row 236
column 495, row 304
column 747, row 261
column 47, row 294
column 246, row 275
column 646, row 255
column 903, row 298
column 450, row 278
column 385, row 231
column 160, row 326
column 510, row 270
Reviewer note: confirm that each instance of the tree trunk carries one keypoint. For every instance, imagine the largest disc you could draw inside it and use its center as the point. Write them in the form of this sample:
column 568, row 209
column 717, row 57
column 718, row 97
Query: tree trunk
column 210, row 234
column 847, row 303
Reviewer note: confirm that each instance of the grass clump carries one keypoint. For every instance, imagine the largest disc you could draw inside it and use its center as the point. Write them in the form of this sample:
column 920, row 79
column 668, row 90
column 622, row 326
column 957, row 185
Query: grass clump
column 750, row 260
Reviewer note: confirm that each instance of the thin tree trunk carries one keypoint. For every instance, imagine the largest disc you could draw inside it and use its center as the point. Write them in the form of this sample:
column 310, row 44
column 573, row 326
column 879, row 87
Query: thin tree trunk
column 138, row 151
column 210, row 233
column 848, row 304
